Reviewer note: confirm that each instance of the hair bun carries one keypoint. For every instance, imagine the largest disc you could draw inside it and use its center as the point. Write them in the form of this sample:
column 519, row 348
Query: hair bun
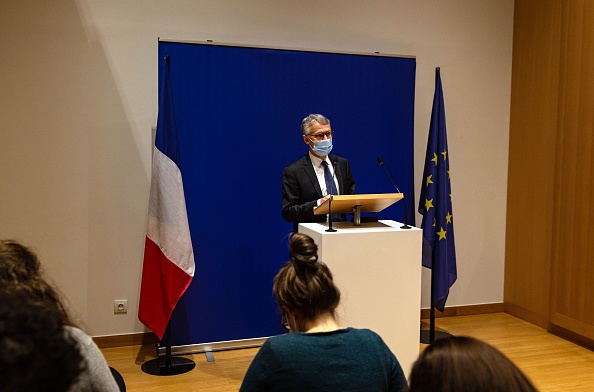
column 303, row 249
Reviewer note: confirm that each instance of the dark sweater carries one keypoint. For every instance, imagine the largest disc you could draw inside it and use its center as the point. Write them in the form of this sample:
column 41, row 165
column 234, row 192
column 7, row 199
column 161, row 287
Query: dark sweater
column 345, row 360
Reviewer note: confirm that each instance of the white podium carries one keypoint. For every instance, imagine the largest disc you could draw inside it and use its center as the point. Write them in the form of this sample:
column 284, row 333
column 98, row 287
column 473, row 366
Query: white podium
column 377, row 267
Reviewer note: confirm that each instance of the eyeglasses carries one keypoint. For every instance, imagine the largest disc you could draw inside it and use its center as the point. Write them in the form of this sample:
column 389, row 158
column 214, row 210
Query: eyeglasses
column 285, row 321
column 322, row 135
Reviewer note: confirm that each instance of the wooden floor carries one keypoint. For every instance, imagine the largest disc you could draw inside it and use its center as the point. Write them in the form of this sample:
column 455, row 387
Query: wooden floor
column 552, row 363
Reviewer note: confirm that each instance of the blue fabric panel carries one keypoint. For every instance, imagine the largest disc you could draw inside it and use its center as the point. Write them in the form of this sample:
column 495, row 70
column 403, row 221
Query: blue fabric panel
column 238, row 114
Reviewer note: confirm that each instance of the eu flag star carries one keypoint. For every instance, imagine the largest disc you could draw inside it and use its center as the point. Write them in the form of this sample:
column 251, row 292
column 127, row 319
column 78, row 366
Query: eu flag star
column 449, row 218
column 441, row 234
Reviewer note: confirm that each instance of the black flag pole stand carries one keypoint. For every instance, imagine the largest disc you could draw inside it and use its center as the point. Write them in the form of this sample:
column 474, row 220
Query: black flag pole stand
column 167, row 365
column 429, row 336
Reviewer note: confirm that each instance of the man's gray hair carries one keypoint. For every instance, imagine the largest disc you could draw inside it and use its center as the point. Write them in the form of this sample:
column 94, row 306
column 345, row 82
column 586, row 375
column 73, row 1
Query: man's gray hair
column 307, row 121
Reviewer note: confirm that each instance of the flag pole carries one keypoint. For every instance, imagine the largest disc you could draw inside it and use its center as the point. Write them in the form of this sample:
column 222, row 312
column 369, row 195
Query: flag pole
column 168, row 365
column 158, row 297
column 429, row 336
column 435, row 206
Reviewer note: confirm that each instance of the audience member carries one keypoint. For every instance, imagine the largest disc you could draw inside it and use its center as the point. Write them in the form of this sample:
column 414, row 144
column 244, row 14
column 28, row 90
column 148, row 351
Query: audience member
column 35, row 353
column 20, row 272
column 465, row 364
column 318, row 354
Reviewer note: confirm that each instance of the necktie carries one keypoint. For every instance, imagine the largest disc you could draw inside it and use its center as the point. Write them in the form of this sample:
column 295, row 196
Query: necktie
column 330, row 188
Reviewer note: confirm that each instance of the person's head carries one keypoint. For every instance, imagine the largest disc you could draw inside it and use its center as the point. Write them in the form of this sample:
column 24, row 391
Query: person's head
column 35, row 352
column 20, row 271
column 304, row 286
column 317, row 134
column 465, row 364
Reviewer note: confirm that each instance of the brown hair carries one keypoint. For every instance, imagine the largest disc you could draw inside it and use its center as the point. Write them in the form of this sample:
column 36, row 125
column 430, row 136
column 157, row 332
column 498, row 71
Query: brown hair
column 35, row 353
column 465, row 364
column 305, row 285
column 21, row 272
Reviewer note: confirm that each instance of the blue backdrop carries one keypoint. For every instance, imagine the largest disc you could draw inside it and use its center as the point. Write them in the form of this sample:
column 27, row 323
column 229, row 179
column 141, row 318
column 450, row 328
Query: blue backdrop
column 239, row 111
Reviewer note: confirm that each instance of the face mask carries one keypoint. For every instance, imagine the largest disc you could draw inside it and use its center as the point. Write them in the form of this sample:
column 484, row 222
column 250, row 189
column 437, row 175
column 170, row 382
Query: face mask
column 322, row 147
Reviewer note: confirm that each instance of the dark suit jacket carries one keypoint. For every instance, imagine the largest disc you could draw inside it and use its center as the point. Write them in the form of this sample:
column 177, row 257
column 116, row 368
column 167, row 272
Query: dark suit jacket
column 301, row 189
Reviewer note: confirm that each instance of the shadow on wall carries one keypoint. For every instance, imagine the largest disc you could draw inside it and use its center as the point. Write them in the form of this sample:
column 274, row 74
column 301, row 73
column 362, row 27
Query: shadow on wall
column 79, row 189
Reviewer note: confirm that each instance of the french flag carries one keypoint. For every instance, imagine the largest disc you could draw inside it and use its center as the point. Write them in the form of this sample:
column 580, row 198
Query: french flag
column 168, row 266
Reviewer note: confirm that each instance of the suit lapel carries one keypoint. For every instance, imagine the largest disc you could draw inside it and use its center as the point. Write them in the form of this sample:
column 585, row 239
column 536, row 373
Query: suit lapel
column 311, row 174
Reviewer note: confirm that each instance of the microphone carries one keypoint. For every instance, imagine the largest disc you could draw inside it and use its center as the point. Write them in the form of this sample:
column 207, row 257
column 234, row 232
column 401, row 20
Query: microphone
column 405, row 226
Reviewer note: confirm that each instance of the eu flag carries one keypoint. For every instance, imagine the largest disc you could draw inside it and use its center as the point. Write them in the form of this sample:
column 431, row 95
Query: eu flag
column 435, row 204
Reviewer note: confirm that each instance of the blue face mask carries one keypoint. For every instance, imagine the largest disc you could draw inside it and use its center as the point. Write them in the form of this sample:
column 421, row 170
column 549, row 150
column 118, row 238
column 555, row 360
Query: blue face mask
column 322, row 147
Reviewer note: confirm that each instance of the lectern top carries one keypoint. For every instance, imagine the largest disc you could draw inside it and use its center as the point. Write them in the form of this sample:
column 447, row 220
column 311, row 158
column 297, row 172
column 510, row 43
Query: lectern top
column 374, row 202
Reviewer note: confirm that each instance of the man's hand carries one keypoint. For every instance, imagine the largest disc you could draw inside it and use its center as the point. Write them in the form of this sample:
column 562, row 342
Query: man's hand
column 323, row 199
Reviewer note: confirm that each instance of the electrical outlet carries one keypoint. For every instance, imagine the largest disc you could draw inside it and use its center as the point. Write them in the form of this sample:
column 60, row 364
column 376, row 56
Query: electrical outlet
column 120, row 306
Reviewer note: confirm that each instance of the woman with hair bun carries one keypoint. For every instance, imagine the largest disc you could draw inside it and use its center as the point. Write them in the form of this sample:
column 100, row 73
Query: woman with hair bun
column 318, row 354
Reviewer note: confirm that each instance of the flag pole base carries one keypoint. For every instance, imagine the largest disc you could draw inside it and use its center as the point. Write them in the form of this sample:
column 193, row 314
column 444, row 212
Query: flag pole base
column 161, row 367
column 426, row 336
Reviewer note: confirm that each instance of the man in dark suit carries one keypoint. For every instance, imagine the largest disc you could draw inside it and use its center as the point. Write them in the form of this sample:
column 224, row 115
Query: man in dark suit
column 307, row 182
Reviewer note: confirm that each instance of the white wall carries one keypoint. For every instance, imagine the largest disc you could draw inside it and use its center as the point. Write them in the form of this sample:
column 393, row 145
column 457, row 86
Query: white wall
column 78, row 106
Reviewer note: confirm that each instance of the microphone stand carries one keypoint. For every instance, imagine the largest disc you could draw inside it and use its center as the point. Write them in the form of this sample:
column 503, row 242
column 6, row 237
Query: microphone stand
column 330, row 229
column 405, row 226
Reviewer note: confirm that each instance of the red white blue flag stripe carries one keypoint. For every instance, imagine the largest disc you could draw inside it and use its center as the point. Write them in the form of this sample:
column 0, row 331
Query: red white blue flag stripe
column 168, row 266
